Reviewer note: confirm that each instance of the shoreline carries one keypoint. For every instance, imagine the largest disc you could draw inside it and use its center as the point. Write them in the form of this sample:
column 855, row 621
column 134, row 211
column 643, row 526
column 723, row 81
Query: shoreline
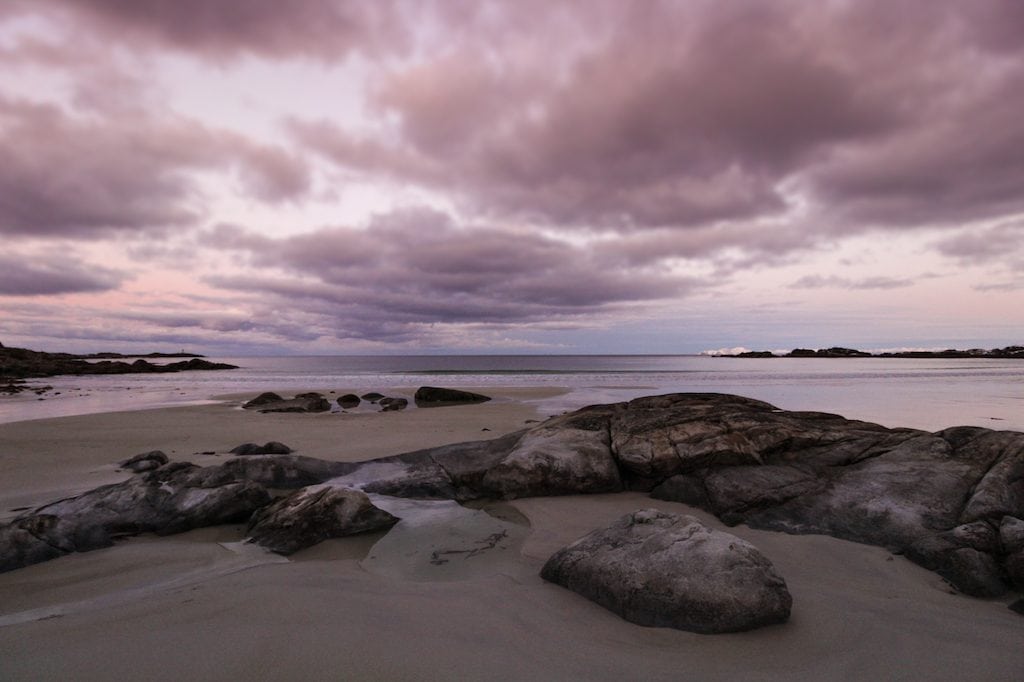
column 859, row 612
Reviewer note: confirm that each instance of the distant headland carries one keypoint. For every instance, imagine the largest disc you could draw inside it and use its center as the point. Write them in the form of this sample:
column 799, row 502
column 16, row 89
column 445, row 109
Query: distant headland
column 1009, row 352
column 22, row 363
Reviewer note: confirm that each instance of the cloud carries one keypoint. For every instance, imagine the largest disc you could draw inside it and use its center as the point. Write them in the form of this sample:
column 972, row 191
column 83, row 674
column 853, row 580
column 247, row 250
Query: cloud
column 322, row 29
column 74, row 176
column 836, row 282
column 980, row 246
column 416, row 268
column 656, row 116
column 21, row 275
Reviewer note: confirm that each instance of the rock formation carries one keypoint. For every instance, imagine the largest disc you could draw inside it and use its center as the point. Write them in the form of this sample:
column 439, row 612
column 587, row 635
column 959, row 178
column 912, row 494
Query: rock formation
column 951, row 501
column 668, row 570
column 270, row 448
column 431, row 396
column 146, row 461
column 348, row 401
column 303, row 402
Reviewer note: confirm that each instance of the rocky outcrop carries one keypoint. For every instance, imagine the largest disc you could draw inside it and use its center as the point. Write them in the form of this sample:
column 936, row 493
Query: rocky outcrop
column 432, row 396
column 21, row 363
column 146, row 461
column 172, row 499
column 348, row 401
column 667, row 570
column 950, row 500
column 314, row 514
column 389, row 404
column 270, row 448
column 303, row 402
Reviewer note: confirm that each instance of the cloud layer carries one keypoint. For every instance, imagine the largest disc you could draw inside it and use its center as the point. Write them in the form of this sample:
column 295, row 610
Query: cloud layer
column 511, row 166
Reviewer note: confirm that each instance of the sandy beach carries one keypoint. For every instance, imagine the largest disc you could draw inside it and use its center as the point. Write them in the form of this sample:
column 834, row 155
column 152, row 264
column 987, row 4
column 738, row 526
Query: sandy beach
column 202, row 605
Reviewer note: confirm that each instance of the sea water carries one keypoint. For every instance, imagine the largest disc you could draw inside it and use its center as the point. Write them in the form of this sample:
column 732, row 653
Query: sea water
column 921, row 393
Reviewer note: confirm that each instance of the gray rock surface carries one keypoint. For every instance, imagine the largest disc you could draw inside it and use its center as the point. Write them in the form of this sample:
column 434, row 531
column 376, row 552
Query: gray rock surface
column 314, row 514
column 348, row 401
column 270, row 448
column 303, row 402
column 389, row 404
column 433, row 396
column 146, row 461
column 172, row 499
column 667, row 570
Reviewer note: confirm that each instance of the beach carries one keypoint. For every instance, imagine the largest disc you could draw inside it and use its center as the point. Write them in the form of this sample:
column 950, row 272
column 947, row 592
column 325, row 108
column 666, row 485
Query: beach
column 202, row 605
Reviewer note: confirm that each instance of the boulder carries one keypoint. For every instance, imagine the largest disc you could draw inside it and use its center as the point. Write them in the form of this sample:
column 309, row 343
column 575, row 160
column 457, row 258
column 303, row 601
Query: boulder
column 314, row 514
column 303, row 402
column 270, row 448
column 432, row 396
column 171, row 499
column 348, row 401
column 263, row 399
column 392, row 404
column 666, row 570
column 372, row 397
column 146, row 461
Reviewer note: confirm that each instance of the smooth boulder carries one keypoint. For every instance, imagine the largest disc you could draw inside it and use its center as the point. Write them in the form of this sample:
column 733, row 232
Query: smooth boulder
column 146, row 461
column 314, row 514
column 270, row 448
column 348, row 401
column 433, row 396
column 667, row 570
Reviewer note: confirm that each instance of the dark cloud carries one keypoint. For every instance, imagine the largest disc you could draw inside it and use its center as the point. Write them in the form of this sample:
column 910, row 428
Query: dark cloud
column 980, row 246
column 324, row 29
column 22, row 275
column 418, row 267
column 880, row 114
column 65, row 175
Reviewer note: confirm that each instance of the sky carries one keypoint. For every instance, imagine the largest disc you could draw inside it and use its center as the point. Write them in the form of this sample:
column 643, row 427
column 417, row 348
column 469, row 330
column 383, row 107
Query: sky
column 333, row 176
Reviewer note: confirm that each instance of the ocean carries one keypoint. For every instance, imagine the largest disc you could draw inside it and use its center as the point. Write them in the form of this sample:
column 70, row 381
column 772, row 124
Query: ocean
column 928, row 394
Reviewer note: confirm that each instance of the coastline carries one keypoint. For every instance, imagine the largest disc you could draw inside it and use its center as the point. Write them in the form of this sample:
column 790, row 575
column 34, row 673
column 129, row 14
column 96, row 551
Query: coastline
column 858, row 612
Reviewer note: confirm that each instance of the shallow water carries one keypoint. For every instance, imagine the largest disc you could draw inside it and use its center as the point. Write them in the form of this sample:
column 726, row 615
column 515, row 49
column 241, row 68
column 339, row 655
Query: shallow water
column 921, row 393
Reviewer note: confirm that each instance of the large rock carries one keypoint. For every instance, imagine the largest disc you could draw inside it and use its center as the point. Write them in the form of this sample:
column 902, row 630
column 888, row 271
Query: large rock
column 348, row 401
column 314, row 514
column 303, row 402
column 667, row 570
column 432, row 396
column 171, row 499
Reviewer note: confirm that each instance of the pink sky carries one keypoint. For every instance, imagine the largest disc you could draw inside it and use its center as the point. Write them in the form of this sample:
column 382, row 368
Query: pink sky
column 327, row 176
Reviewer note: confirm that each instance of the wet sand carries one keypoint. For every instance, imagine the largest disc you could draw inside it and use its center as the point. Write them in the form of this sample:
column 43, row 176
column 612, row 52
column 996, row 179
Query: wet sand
column 201, row 606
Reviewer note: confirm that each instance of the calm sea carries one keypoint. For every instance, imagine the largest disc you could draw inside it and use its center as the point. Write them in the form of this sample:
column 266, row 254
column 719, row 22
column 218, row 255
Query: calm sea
column 926, row 394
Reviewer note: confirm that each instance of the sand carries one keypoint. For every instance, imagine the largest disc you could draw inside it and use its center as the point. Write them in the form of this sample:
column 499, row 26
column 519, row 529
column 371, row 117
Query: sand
column 200, row 605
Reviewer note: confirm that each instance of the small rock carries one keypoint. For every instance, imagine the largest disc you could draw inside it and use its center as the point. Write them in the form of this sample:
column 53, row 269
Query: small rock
column 392, row 404
column 263, row 399
column 146, row 461
column 314, row 514
column 271, row 448
column 349, row 400
column 372, row 396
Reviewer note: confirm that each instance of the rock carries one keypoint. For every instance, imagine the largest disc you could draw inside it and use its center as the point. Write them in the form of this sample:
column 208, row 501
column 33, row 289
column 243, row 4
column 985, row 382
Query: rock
column 1017, row 606
column 965, row 568
column 667, row 570
column 392, row 404
column 314, row 514
column 303, row 402
column 171, row 499
column 567, row 455
column 146, row 461
column 348, row 401
column 1011, row 534
column 685, row 489
column 270, row 448
column 431, row 396
column 263, row 399
column 283, row 471
column 372, row 396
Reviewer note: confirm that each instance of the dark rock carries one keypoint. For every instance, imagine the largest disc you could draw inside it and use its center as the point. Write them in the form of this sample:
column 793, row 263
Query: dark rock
column 432, row 396
column 392, row 404
column 21, row 363
column 666, row 570
column 263, row 399
column 146, row 461
column 304, row 402
column 348, row 401
column 1011, row 534
column 1017, row 606
column 283, row 471
column 270, row 448
column 171, row 499
column 685, row 489
column 312, row 515
column 372, row 396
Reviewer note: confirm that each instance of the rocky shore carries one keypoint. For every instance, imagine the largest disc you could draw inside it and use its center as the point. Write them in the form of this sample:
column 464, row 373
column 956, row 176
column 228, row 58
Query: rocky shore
column 951, row 501
column 1006, row 353
column 17, row 364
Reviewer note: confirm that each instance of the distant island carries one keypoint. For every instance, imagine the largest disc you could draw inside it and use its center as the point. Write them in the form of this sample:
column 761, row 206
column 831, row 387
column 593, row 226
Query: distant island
column 1009, row 352
column 17, row 364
